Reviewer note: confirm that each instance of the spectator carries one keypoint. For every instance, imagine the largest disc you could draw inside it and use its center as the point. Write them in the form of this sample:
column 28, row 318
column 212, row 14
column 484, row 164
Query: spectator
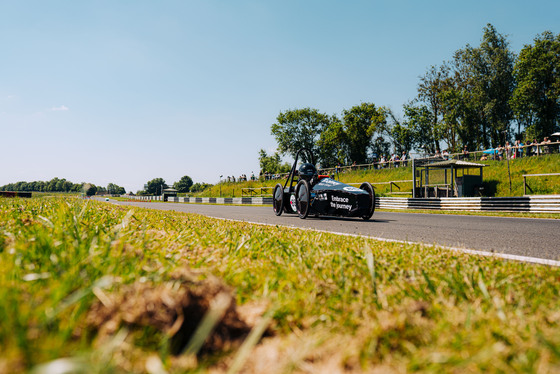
column 545, row 143
column 445, row 154
column 465, row 153
column 403, row 159
column 500, row 153
column 535, row 147
column 520, row 148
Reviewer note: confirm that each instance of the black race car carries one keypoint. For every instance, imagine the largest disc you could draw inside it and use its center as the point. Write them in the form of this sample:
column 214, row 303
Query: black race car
column 321, row 195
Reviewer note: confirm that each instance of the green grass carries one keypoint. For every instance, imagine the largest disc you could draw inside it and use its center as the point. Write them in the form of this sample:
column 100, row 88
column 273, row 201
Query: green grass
column 495, row 175
column 337, row 303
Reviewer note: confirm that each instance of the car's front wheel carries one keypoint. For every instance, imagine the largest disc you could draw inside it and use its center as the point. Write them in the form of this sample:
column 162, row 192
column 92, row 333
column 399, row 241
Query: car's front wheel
column 303, row 197
column 278, row 199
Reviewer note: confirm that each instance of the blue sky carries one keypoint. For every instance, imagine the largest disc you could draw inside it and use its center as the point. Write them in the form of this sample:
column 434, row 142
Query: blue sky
column 127, row 91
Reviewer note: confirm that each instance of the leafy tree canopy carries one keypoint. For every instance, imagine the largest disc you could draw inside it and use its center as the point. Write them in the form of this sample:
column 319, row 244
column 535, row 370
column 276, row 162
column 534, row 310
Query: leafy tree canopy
column 536, row 99
column 272, row 164
column 156, row 186
column 184, row 184
column 299, row 128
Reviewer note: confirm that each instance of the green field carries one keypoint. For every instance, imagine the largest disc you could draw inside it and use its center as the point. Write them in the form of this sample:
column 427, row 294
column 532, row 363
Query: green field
column 101, row 288
column 496, row 178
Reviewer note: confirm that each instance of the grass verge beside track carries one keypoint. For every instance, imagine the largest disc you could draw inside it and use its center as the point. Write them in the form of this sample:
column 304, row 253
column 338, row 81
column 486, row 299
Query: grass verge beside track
column 106, row 288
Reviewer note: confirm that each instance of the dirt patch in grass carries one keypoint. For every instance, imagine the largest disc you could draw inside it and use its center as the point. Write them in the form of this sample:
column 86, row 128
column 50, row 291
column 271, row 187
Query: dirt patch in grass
column 175, row 308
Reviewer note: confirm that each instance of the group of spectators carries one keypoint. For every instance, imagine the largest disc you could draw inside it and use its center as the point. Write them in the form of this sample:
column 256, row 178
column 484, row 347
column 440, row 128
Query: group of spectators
column 241, row 178
column 518, row 149
column 272, row 176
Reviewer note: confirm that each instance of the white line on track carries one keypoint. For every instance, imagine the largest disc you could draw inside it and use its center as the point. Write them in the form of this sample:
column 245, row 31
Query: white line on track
column 505, row 256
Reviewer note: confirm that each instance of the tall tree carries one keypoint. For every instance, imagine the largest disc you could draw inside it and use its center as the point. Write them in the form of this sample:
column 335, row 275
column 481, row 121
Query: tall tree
column 156, row 186
column 360, row 123
column 299, row 128
column 403, row 137
column 272, row 164
column 486, row 76
column 332, row 144
column 429, row 94
column 536, row 98
column 418, row 122
column 184, row 184
column 115, row 189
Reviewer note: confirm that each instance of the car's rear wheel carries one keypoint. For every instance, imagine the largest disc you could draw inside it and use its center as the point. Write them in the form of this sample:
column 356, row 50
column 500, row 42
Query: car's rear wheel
column 366, row 186
column 278, row 199
column 303, row 197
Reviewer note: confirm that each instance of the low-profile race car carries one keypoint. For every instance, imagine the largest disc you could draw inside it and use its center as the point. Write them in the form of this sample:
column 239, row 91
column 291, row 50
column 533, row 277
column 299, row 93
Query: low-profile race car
column 321, row 195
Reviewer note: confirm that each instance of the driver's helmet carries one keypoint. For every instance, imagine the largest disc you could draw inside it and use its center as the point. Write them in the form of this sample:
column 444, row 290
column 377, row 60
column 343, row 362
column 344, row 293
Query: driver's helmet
column 307, row 171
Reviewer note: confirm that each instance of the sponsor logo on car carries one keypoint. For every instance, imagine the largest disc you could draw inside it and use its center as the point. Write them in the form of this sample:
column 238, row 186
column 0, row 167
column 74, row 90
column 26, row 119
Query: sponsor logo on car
column 351, row 189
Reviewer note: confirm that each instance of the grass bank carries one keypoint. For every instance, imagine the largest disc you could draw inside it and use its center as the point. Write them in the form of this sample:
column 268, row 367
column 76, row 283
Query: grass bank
column 496, row 177
column 103, row 288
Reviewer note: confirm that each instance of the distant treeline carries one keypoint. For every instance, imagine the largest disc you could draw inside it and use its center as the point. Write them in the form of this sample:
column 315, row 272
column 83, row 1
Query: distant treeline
column 62, row 185
column 482, row 97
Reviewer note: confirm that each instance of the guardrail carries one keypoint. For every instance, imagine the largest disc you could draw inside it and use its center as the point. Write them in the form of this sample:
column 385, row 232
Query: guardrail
column 525, row 185
column 535, row 203
column 253, row 192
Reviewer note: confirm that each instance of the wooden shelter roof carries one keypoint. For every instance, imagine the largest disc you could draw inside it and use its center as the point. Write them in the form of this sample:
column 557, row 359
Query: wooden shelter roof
column 456, row 164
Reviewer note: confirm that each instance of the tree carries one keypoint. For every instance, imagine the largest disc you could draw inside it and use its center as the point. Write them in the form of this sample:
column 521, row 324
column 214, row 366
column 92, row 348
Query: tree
column 402, row 137
column 184, row 184
column 89, row 189
column 418, row 122
column 199, row 187
column 484, row 77
column 429, row 95
column 272, row 164
column 360, row 123
column 113, row 189
column 332, row 144
column 156, row 186
column 299, row 128
column 535, row 100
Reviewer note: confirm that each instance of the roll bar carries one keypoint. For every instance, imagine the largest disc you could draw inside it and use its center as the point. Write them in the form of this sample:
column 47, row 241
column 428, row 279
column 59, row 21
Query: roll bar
column 294, row 166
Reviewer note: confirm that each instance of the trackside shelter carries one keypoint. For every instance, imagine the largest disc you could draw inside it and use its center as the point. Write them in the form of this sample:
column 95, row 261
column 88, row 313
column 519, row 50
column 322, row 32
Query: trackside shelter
column 448, row 178
column 169, row 192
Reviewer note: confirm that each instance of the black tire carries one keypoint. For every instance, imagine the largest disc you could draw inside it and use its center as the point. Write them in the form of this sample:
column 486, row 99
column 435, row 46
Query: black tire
column 303, row 197
column 278, row 199
column 366, row 186
column 288, row 208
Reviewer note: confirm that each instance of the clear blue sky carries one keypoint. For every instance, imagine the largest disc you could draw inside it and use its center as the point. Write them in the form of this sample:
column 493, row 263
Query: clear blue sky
column 127, row 91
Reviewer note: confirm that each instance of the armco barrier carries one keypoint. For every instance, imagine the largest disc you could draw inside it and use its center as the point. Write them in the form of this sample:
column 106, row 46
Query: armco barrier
column 537, row 204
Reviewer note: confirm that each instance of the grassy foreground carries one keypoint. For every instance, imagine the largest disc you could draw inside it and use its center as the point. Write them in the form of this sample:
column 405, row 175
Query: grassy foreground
column 101, row 288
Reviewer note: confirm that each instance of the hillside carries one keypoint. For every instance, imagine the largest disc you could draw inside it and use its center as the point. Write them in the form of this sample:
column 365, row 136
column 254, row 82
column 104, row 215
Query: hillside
column 495, row 178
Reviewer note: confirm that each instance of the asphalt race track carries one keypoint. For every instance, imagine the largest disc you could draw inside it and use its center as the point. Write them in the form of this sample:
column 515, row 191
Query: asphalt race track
column 534, row 238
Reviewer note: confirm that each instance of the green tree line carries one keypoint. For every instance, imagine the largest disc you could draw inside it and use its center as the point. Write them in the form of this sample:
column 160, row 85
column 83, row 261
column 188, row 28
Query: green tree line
column 185, row 184
column 62, row 185
column 481, row 98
